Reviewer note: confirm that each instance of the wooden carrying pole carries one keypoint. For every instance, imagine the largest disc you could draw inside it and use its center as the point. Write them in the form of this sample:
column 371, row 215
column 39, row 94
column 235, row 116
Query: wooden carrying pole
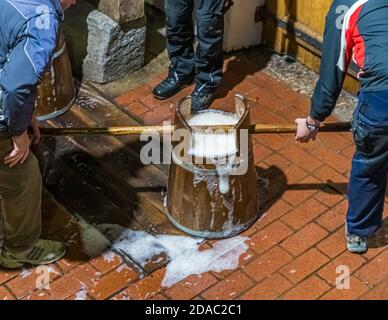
column 137, row 130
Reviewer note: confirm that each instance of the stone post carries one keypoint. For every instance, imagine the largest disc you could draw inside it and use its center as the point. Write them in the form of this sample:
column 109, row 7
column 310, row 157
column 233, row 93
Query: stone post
column 116, row 40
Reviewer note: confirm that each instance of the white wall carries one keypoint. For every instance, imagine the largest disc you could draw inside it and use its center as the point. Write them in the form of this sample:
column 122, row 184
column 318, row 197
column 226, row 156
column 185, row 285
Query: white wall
column 241, row 31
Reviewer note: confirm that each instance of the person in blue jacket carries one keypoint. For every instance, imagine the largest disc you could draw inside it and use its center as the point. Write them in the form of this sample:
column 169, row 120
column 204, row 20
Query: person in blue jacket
column 28, row 37
column 357, row 30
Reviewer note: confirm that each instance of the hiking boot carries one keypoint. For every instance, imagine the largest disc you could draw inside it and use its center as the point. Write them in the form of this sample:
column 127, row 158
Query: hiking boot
column 357, row 244
column 201, row 100
column 43, row 252
column 171, row 86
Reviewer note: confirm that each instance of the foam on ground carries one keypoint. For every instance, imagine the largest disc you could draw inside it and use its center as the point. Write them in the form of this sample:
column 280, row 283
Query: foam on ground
column 184, row 255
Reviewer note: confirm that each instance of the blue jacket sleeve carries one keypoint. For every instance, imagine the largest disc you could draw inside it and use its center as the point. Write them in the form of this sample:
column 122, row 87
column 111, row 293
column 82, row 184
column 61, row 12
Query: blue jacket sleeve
column 331, row 79
column 23, row 71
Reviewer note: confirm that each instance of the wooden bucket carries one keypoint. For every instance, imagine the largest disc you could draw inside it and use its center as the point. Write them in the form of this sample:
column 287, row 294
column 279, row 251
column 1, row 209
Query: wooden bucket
column 205, row 212
column 56, row 93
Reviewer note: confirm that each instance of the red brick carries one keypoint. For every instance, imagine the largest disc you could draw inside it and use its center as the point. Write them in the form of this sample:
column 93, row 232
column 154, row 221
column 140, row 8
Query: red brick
column 163, row 75
column 376, row 270
column 80, row 295
column 27, row 283
column 347, row 135
column 304, row 213
column 277, row 210
column 79, row 278
column 136, row 108
column 328, row 197
column 106, row 262
column 84, row 274
column 133, row 95
column 249, row 232
column 39, row 295
column 335, row 217
column 378, row 292
column 308, row 147
column 304, row 239
column 275, row 142
column 262, row 115
column 245, row 258
column 289, row 112
column 270, row 236
column 261, row 152
column 334, row 141
column 262, row 79
column 301, row 158
column 152, row 83
column 150, row 101
column 5, row 294
column 357, row 288
column 245, row 87
column 229, row 288
column 161, row 297
column 157, row 116
column 267, row 263
column 309, row 289
column 238, row 66
column 190, row 287
column 111, row 283
column 225, row 103
column 305, row 189
column 7, row 275
column 333, row 178
column 333, row 158
column 269, row 289
column 265, row 98
column 278, row 161
column 304, row 265
column 349, row 151
column 329, row 271
column 333, row 245
column 144, row 289
column 73, row 258
column 294, row 174
column 373, row 252
column 300, row 101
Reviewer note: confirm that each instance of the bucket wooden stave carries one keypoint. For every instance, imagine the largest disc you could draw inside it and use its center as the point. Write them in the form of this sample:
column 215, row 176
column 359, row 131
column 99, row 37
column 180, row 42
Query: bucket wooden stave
column 212, row 215
column 56, row 93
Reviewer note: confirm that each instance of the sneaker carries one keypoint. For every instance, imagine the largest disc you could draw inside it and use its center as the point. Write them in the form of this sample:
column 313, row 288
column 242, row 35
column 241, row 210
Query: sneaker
column 171, row 86
column 43, row 252
column 201, row 100
column 357, row 244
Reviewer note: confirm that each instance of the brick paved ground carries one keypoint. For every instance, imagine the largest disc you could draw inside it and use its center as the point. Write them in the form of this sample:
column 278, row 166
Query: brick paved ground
column 295, row 248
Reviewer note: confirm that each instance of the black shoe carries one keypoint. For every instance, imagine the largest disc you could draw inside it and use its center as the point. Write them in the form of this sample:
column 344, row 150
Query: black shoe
column 201, row 100
column 171, row 86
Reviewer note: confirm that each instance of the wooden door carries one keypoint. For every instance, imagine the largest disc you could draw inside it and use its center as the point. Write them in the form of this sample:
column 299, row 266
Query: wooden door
column 296, row 27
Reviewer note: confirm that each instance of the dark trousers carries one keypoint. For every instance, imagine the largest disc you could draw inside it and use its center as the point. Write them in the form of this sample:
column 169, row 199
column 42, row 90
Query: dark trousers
column 207, row 61
column 20, row 194
column 368, row 179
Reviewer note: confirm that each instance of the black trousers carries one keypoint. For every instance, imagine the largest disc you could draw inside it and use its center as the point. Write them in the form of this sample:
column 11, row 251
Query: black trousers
column 207, row 61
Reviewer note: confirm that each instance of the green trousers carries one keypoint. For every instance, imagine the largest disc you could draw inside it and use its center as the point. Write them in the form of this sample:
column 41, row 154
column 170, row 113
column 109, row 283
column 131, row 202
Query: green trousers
column 21, row 197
